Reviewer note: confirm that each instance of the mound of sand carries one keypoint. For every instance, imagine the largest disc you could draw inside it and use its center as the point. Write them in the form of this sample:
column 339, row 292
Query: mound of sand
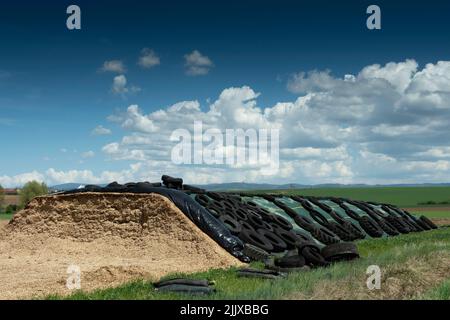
column 113, row 238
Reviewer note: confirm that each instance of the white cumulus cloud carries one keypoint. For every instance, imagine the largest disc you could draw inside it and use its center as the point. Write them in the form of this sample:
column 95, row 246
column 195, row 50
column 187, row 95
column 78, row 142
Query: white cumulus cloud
column 148, row 59
column 120, row 86
column 384, row 124
column 116, row 66
column 197, row 64
column 101, row 131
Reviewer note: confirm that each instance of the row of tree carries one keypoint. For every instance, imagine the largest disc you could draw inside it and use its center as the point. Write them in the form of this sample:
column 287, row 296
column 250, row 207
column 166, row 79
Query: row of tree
column 29, row 191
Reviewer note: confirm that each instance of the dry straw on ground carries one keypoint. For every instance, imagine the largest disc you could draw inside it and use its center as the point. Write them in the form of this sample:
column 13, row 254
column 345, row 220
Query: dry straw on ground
column 113, row 238
column 400, row 281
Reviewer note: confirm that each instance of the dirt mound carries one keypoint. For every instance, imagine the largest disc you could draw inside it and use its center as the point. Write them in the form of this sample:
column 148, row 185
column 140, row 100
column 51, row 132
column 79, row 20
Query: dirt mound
column 113, row 238
column 90, row 216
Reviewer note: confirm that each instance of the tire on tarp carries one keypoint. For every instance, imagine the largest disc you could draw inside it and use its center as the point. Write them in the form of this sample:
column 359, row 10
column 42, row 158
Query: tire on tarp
column 252, row 237
column 428, row 222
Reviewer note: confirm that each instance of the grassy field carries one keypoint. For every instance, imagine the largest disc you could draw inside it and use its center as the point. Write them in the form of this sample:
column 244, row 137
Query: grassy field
column 432, row 213
column 414, row 266
column 400, row 196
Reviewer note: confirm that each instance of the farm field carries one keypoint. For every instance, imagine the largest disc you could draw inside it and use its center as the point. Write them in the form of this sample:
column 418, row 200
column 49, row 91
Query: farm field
column 405, row 197
column 432, row 202
column 431, row 213
column 414, row 266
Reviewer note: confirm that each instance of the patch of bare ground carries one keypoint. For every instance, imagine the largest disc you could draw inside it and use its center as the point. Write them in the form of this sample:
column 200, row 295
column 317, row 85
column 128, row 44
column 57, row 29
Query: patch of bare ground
column 441, row 221
column 113, row 238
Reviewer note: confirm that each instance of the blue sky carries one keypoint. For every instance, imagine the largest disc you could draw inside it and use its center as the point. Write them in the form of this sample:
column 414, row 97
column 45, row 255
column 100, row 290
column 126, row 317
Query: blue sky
column 54, row 92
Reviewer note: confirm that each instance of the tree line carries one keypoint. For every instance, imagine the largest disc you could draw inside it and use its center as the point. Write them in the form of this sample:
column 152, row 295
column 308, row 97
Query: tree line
column 29, row 191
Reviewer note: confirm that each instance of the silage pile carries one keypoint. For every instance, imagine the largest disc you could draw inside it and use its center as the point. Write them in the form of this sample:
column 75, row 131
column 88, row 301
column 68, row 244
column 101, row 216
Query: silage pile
column 112, row 237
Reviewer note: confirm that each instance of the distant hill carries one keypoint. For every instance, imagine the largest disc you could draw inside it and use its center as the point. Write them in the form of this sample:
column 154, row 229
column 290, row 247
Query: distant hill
column 251, row 186
column 65, row 187
column 267, row 186
column 261, row 186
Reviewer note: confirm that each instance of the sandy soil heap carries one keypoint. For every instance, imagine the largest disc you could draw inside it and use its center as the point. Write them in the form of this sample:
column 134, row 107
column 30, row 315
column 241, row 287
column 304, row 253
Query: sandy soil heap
column 113, row 238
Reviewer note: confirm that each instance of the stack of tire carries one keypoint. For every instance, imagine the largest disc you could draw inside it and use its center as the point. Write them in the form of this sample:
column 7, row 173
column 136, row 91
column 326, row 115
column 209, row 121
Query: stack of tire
column 385, row 220
column 265, row 233
column 326, row 239
column 250, row 222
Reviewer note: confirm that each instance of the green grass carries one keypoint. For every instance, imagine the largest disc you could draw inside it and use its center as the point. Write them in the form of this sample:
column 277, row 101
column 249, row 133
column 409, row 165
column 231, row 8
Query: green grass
column 441, row 292
column 387, row 253
column 6, row 216
column 433, row 214
column 400, row 196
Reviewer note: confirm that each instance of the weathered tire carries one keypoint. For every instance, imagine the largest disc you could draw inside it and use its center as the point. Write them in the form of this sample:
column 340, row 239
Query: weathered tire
column 171, row 182
column 304, row 223
column 246, row 225
column 260, row 274
column 340, row 251
column 428, row 222
column 353, row 229
column 189, row 282
column 388, row 228
column 349, row 212
column 282, row 223
column 255, row 220
column 302, row 236
column 324, row 236
column 203, row 200
column 290, row 212
column 256, row 239
column 182, row 288
column 321, row 205
column 241, row 214
column 303, row 244
column 336, row 217
column 290, row 261
column 423, row 225
column 398, row 224
column 278, row 244
column 232, row 224
column 255, row 253
column 341, row 231
column 267, row 226
column 414, row 227
column 219, row 205
column 314, row 257
column 318, row 217
column 370, row 227
column 215, row 196
column 288, row 237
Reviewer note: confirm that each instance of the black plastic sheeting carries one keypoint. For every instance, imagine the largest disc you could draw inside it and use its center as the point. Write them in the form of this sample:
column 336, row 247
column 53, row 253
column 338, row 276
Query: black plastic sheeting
column 194, row 211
